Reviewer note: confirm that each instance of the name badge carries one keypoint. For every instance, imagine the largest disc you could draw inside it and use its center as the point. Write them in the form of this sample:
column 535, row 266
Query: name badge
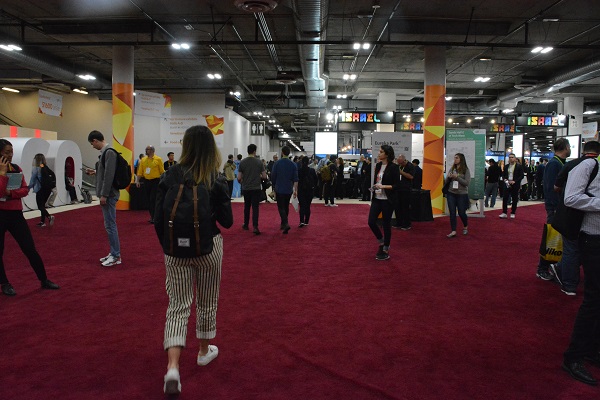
column 148, row 171
column 455, row 185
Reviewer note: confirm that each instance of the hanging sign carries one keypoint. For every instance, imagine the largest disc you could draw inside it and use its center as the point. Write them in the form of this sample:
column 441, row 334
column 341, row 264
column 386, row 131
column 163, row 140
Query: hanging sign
column 506, row 128
column 367, row 117
column 542, row 120
column 49, row 103
column 152, row 104
column 257, row 128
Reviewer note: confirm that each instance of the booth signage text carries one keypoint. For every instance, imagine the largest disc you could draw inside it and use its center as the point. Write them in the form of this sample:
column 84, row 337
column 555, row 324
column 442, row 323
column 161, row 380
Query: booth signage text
column 367, row 117
column 543, row 120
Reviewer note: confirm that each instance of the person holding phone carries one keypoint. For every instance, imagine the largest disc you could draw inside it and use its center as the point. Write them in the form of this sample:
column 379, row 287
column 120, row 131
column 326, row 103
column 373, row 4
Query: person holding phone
column 12, row 220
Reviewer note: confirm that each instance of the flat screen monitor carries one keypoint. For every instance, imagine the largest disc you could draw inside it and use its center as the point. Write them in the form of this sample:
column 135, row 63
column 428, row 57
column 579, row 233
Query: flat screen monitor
column 326, row 143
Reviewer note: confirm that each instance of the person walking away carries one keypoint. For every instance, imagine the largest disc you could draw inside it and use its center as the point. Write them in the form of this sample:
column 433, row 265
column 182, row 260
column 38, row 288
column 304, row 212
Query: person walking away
column 229, row 171
column 108, row 194
column 387, row 178
column 285, row 181
column 492, row 177
column 562, row 151
column 307, row 181
column 12, row 221
column 199, row 164
column 41, row 193
column 149, row 172
column 458, row 193
column 512, row 175
column 402, row 209
column 584, row 344
column 251, row 172
column 366, row 171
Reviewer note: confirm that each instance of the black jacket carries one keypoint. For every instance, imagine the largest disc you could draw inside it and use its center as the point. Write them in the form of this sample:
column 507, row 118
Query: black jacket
column 391, row 176
column 518, row 173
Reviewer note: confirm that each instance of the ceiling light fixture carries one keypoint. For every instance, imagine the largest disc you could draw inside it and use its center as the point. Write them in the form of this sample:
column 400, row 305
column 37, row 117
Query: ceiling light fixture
column 547, row 50
column 10, row 89
column 448, row 98
column 86, row 77
column 356, row 46
column 179, row 46
column 589, row 112
column 547, row 101
column 485, row 59
column 10, row 47
column 508, row 110
column 478, row 117
column 482, row 79
column 542, row 49
column 81, row 91
column 493, row 121
column 366, row 46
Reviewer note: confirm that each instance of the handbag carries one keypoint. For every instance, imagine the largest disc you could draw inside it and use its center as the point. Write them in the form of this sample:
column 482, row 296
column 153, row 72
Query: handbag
column 266, row 184
column 446, row 187
column 551, row 247
column 568, row 220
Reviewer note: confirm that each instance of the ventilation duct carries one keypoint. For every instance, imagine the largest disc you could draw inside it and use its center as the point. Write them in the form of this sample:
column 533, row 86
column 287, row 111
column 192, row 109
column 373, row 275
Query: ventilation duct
column 311, row 17
column 256, row 6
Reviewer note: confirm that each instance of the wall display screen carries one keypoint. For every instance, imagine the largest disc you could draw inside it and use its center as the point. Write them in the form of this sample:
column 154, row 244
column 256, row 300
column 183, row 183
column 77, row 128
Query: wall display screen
column 575, row 142
column 517, row 147
column 326, row 143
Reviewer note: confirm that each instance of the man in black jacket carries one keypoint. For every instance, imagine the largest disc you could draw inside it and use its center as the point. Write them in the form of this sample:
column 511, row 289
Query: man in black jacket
column 512, row 176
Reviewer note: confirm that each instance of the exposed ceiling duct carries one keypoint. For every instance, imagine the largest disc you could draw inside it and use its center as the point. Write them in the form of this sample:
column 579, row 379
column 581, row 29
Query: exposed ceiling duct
column 311, row 17
column 256, row 6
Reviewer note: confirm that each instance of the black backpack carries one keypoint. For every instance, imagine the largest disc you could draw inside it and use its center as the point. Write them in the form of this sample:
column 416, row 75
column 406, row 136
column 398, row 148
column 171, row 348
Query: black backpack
column 123, row 173
column 187, row 218
column 48, row 178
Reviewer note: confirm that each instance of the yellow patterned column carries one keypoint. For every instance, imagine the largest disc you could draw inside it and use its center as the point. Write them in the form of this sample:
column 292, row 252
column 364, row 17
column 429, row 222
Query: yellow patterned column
column 434, row 125
column 122, row 102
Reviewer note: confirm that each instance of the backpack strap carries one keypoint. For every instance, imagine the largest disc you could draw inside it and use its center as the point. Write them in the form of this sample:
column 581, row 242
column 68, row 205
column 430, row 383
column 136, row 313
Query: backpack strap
column 196, row 222
column 172, row 216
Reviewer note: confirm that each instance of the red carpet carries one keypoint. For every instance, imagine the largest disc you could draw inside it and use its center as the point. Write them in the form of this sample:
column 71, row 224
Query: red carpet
column 310, row 315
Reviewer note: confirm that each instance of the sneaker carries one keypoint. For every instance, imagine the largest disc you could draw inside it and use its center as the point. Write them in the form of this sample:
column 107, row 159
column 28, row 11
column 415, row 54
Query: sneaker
column 512, row 216
column 8, row 290
column 286, row 229
column 379, row 252
column 384, row 256
column 333, row 205
column 51, row 220
column 326, row 205
column 503, row 215
column 105, row 258
column 465, row 231
column 256, row 231
column 568, row 292
column 40, row 224
column 405, row 228
column 396, row 226
column 48, row 284
column 172, row 382
column 110, row 261
column 544, row 275
column 213, row 352
column 556, row 273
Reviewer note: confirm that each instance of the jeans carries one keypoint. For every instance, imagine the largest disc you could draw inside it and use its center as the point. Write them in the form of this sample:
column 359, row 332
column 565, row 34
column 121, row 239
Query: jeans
column 586, row 332
column 569, row 264
column 491, row 191
column 283, row 206
column 384, row 207
column 40, row 199
column 460, row 201
column 109, row 212
column 251, row 199
column 329, row 191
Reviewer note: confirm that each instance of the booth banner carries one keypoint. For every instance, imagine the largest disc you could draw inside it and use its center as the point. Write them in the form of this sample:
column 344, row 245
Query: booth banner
column 589, row 131
column 216, row 124
column 49, row 103
column 471, row 143
column 152, row 104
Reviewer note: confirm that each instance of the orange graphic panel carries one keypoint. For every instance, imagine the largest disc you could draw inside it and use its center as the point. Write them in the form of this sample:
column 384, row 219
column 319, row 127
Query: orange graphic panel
column 433, row 152
column 123, row 130
column 215, row 124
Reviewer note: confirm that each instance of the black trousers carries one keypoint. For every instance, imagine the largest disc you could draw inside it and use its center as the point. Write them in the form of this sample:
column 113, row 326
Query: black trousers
column 283, row 206
column 251, row 199
column 230, row 185
column 585, row 339
column 150, row 188
column 41, row 197
column 385, row 208
column 329, row 191
column 403, row 208
column 14, row 222
column 513, row 193
column 304, row 200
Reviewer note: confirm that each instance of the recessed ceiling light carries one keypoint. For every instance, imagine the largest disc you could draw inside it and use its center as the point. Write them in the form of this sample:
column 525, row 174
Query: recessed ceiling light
column 547, row 101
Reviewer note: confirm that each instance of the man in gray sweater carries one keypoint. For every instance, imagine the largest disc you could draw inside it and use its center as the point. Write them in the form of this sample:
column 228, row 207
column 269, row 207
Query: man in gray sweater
column 108, row 195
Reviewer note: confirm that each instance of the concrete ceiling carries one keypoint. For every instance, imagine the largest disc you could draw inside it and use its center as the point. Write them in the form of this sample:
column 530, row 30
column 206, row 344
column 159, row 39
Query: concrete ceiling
column 259, row 53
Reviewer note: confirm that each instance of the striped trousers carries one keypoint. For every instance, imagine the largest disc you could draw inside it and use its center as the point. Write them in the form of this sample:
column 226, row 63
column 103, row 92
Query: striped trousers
column 183, row 274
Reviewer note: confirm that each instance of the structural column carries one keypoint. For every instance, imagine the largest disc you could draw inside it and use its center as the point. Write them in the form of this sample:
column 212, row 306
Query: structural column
column 122, row 106
column 573, row 107
column 435, row 125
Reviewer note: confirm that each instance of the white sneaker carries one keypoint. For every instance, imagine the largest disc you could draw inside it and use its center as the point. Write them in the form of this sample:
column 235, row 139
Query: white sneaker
column 333, row 205
column 503, row 215
column 105, row 258
column 512, row 216
column 172, row 382
column 111, row 260
column 51, row 220
column 213, row 352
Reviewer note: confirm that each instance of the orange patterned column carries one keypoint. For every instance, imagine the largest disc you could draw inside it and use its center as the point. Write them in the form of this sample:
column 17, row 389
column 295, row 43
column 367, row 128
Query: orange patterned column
column 434, row 125
column 122, row 102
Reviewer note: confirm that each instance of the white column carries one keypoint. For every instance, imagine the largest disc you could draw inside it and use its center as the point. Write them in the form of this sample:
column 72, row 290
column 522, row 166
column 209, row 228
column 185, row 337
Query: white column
column 574, row 108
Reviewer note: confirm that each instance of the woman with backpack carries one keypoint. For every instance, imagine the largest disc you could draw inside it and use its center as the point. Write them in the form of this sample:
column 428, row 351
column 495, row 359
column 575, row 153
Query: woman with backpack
column 12, row 220
column 307, row 180
column 41, row 190
column 192, row 191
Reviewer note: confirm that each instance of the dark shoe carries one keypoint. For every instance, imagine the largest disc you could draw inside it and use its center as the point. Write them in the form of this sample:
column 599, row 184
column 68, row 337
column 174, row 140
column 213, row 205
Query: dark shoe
column 48, row 284
column 256, row 231
column 406, row 228
column 396, row 226
column 556, row 273
column 245, row 227
column 568, row 291
column 380, row 252
column 301, row 225
column 150, row 221
column 594, row 360
column 544, row 275
column 8, row 290
column 286, row 229
column 578, row 371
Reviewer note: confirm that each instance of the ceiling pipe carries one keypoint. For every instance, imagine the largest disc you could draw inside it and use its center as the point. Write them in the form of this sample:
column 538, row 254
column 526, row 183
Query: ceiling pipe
column 310, row 17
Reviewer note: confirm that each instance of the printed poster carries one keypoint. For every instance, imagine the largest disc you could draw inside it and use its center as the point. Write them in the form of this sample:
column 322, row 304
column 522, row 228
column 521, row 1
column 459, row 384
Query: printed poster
column 49, row 103
column 172, row 129
column 152, row 104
